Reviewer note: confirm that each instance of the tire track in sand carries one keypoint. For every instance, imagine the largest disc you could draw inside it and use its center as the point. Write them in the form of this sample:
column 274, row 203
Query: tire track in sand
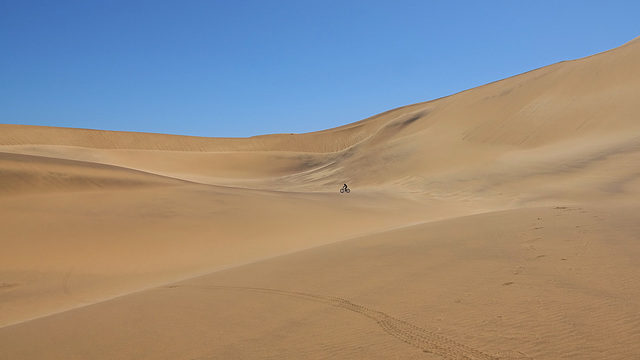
column 423, row 339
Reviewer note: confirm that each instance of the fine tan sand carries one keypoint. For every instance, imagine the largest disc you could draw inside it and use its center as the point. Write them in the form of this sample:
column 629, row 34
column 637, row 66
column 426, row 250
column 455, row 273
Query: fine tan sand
column 502, row 222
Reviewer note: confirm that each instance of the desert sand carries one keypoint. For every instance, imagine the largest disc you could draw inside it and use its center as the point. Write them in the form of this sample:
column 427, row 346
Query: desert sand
column 501, row 222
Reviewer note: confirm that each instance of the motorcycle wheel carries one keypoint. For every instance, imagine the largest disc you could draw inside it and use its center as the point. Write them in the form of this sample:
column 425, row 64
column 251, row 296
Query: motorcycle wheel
column 348, row 191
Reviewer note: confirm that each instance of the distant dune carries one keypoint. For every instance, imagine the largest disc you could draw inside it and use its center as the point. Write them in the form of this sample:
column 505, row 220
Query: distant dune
column 500, row 222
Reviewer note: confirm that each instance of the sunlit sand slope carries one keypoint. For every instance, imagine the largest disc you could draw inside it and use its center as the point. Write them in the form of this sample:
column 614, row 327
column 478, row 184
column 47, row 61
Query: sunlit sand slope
column 541, row 283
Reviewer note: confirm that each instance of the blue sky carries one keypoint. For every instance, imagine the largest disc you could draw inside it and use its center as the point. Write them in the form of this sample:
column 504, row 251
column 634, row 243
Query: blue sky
column 242, row 68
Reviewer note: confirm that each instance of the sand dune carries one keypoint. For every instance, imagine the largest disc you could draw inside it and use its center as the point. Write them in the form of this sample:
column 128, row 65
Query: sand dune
column 532, row 283
column 497, row 223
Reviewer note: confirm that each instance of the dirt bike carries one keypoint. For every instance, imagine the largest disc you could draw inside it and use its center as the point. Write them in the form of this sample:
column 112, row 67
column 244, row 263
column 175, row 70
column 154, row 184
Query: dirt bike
column 345, row 189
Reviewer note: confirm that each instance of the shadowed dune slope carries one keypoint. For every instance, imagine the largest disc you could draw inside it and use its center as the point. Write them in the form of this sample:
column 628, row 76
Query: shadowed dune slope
column 500, row 222
column 29, row 174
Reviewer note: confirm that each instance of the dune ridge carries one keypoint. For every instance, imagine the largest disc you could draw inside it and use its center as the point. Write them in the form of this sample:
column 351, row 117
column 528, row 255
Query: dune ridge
column 500, row 222
column 583, row 99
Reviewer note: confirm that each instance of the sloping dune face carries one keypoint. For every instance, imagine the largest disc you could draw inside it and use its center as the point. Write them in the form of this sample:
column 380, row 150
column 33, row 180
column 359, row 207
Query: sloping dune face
column 497, row 223
column 563, row 118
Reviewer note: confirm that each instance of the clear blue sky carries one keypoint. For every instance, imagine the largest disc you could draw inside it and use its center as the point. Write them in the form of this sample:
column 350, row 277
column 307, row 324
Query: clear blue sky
column 238, row 68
